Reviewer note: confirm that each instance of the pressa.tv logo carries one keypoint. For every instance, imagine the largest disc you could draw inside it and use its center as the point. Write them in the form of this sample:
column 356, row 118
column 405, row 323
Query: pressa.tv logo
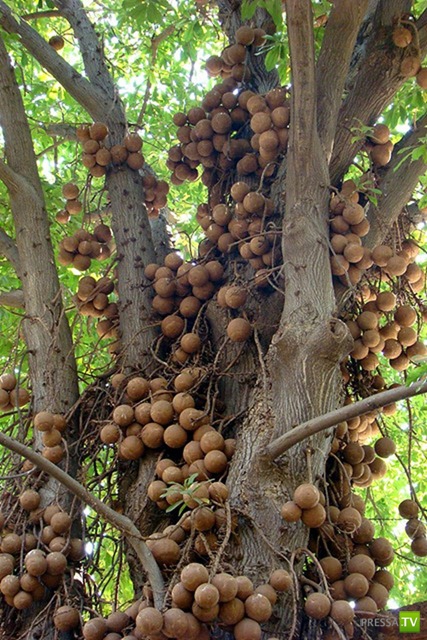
column 409, row 621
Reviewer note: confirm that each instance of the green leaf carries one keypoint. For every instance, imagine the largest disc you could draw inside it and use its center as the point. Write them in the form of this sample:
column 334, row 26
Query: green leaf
column 248, row 8
column 274, row 8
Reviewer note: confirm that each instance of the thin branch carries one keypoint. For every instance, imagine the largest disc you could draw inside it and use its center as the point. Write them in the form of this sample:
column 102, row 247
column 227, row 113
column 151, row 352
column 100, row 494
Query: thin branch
column 332, row 418
column 333, row 64
column 52, row 13
column 9, row 250
column 13, row 298
column 87, row 95
column 397, row 184
column 120, row 522
column 90, row 48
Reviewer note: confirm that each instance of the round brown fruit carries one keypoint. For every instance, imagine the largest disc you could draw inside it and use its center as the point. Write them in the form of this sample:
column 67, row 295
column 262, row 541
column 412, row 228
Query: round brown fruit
column 29, row 500
column 306, row 496
column 247, row 629
column 408, row 509
column 149, row 621
column 317, row 606
column 95, row 629
column 193, row 575
column 66, row 618
column 280, row 580
column 60, row 522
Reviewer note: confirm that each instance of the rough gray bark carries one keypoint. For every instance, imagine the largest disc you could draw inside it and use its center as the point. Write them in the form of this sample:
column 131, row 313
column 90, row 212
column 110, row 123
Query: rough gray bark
column 45, row 327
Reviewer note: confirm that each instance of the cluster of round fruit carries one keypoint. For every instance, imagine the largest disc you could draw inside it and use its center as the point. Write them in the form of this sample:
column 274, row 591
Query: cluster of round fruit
column 198, row 602
column 403, row 37
column 350, row 259
column 73, row 205
column 246, row 227
column 210, row 136
column 82, row 247
column 52, row 426
column 92, row 297
column 181, row 289
column 397, row 340
column 29, row 564
column 231, row 62
column 414, row 528
column 97, row 156
column 155, row 194
column 12, row 396
column 351, row 558
column 157, row 416
column 205, row 521
column 379, row 146
column 365, row 464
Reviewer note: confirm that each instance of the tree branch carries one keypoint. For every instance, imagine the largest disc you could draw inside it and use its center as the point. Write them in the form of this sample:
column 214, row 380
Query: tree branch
column 333, row 64
column 321, row 423
column 397, row 184
column 9, row 250
column 87, row 95
column 52, row 13
column 119, row 521
column 376, row 80
column 13, row 298
column 8, row 176
column 301, row 45
column 90, row 49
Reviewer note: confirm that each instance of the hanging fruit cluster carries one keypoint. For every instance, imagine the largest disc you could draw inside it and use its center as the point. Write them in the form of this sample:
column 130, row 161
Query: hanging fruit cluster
column 36, row 550
column 82, row 247
column 51, row 426
column 12, row 395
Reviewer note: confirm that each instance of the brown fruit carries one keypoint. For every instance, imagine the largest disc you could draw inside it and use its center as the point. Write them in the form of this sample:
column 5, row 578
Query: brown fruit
column 175, row 623
column 385, row 447
column 280, row 580
column 193, row 575
column 10, row 585
column 342, row 612
column 60, row 522
column 22, row 600
column 131, row 448
column 231, row 612
column 401, row 36
column 239, row 330
column 149, row 621
column 35, row 562
column 258, row 607
column 57, row 42
column 11, row 543
column 247, row 629
column 66, row 618
column 419, row 546
column 98, row 131
column 95, row 629
column 332, row 568
column 381, row 551
column 29, row 500
column 356, row 585
column 317, row 606
column 123, row 415
column 206, row 595
column 363, row 564
column 44, row 421
column 166, row 551
column 306, row 496
column 56, row 563
column 408, row 509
